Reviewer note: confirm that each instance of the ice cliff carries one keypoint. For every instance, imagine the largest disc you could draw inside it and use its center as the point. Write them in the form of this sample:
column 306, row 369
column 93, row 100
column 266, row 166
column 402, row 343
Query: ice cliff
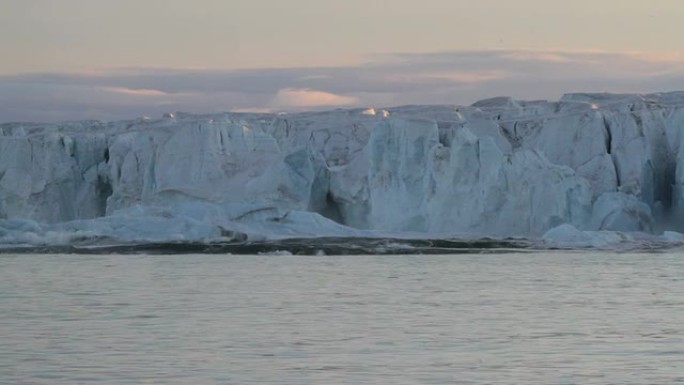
column 500, row 167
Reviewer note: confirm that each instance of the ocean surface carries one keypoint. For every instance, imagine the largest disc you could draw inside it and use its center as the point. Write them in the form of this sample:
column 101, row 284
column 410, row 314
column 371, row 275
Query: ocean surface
column 514, row 318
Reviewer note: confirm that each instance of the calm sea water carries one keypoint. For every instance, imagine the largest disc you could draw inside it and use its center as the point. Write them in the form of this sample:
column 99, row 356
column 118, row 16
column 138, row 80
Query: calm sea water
column 543, row 318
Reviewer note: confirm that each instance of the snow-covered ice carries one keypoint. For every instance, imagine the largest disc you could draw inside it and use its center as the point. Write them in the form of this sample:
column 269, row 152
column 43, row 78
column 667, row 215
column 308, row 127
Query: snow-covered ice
column 567, row 170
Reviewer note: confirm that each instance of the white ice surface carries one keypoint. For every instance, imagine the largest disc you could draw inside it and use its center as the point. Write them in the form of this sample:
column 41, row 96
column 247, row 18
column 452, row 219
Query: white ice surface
column 595, row 162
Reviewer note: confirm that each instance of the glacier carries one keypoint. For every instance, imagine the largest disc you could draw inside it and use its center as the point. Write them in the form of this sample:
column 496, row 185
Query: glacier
column 588, row 169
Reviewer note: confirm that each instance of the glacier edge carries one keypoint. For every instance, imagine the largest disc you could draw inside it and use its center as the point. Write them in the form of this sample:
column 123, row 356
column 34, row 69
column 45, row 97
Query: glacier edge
column 501, row 167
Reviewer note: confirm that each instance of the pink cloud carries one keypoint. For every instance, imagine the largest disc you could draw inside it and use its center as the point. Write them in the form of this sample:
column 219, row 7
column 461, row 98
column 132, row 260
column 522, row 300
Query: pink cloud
column 549, row 57
column 304, row 97
column 397, row 79
column 136, row 92
column 657, row 57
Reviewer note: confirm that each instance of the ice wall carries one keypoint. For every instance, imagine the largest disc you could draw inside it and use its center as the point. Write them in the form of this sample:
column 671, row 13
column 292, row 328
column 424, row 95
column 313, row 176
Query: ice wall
column 498, row 167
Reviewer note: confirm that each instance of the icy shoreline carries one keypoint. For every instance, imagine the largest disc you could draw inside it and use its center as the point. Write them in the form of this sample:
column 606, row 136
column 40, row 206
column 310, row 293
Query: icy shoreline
column 320, row 246
column 158, row 231
column 590, row 170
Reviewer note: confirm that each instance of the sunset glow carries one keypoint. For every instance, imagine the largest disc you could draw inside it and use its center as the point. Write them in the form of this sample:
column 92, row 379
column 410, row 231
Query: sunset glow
column 245, row 55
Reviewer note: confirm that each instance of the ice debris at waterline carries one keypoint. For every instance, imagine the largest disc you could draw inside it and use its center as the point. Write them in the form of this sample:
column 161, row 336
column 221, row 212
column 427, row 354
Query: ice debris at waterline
column 590, row 170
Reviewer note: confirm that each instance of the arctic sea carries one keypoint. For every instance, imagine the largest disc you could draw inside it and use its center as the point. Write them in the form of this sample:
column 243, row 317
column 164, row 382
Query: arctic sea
column 511, row 318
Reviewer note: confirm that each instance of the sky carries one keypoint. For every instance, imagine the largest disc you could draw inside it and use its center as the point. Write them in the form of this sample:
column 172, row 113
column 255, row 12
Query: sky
column 115, row 59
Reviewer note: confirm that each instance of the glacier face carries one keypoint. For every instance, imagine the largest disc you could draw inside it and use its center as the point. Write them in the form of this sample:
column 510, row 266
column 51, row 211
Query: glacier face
column 500, row 167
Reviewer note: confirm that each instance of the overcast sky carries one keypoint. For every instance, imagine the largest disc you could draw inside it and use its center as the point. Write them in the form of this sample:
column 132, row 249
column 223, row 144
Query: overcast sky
column 111, row 59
